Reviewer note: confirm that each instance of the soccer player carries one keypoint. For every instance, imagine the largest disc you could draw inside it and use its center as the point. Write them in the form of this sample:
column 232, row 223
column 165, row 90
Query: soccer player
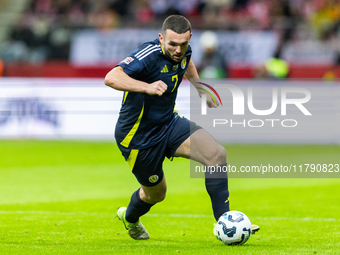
column 149, row 129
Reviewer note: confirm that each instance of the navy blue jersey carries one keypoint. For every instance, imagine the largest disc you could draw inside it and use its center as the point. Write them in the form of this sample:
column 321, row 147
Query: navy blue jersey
column 144, row 119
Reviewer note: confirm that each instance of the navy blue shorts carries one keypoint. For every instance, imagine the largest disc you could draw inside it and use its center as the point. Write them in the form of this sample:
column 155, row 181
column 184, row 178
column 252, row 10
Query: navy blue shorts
column 147, row 163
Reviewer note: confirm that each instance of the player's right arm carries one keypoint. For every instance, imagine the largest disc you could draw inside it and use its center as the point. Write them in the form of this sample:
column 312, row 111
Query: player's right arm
column 119, row 80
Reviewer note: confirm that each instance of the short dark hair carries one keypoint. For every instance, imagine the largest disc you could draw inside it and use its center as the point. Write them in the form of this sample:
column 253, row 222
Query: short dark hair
column 177, row 23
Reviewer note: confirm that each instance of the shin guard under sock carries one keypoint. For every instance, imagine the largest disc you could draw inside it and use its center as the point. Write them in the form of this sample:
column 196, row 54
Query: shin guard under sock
column 217, row 187
column 136, row 208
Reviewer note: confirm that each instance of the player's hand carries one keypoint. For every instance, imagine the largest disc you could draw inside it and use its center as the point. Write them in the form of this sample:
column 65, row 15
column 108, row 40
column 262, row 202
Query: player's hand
column 211, row 103
column 156, row 88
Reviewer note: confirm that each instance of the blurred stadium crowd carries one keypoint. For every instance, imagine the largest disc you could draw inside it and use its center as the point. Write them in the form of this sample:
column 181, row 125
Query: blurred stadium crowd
column 45, row 27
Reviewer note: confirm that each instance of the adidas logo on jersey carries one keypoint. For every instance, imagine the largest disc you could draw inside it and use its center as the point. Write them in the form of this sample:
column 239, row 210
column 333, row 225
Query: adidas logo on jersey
column 165, row 69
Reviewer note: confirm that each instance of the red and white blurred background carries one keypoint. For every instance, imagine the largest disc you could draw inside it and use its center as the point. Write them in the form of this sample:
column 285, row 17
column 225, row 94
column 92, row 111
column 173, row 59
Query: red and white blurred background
column 55, row 53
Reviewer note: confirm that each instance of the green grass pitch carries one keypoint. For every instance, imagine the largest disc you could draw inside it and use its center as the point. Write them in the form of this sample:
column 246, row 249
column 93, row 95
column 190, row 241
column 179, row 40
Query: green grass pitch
column 60, row 197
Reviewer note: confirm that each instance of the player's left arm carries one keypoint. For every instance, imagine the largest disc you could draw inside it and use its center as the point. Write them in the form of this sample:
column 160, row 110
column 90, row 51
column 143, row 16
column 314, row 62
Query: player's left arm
column 191, row 75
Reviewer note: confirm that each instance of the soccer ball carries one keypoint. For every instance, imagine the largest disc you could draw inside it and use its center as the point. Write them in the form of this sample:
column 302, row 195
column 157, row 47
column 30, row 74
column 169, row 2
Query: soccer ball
column 233, row 228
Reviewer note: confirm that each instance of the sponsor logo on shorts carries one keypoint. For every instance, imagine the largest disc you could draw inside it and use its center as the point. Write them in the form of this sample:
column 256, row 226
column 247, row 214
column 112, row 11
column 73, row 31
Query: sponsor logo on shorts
column 153, row 178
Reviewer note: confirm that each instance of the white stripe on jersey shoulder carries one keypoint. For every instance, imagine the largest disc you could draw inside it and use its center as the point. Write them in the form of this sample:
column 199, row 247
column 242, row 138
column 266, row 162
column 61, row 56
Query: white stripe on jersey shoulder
column 140, row 52
column 157, row 49
column 147, row 51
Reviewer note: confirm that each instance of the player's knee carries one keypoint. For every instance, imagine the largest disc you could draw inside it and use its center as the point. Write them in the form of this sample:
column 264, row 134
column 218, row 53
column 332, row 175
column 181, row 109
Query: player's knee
column 219, row 155
column 222, row 155
column 156, row 197
column 160, row 197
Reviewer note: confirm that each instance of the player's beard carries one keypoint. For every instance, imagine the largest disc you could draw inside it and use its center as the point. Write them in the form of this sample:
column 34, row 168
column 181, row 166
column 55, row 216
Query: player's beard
column 167, row 52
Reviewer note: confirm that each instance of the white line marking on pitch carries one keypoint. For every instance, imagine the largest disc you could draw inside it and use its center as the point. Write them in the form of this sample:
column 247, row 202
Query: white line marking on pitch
column 163, row 215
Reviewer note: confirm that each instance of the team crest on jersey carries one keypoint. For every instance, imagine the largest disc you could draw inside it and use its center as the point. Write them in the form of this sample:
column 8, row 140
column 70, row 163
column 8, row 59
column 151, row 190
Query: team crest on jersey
column 184, row 63
column 175, row 67
column 153, row 178
column 128, row 60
